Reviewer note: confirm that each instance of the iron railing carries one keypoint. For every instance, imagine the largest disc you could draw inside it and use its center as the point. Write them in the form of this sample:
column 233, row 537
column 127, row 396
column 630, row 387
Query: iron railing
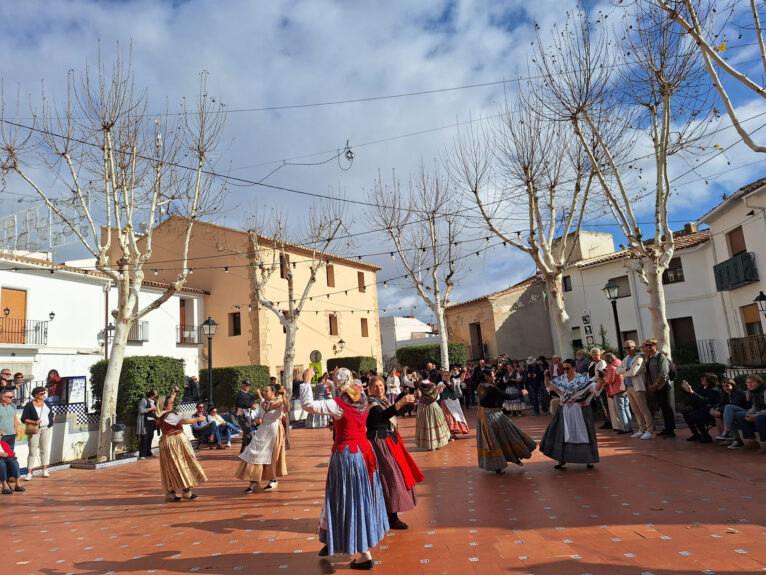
column 23, row 331
column 139, row 332
column 748, row 351
column 189, row 334
column 735, row 272
column 706, row 351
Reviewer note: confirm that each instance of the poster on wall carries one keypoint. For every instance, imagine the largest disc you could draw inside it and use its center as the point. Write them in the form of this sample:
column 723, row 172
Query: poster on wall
column 590, row 339
column 317, row 367
column 76, row 388
column 586, row 319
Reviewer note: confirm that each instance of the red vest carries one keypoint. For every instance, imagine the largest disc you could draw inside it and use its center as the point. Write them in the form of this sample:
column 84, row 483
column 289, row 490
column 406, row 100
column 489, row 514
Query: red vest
column 351, row 432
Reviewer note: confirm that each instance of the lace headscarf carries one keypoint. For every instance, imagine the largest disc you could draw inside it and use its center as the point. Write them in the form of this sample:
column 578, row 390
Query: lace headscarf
column 349, row 390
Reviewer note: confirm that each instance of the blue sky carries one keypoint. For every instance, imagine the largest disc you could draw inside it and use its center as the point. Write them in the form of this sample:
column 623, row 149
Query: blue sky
column 265, row 54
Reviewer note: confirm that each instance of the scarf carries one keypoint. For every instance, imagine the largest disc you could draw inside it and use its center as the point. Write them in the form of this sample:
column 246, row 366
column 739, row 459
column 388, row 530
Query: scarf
column 384, row 405
column 576, row 389
column 429, row 391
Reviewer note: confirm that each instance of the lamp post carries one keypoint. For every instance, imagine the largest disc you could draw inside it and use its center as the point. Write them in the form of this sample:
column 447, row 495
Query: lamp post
column 208, row 328
column 760, row 301
column 611, row 291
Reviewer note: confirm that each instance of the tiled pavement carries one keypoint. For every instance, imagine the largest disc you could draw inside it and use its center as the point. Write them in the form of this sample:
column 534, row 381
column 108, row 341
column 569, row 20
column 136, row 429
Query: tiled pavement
column 660, row 506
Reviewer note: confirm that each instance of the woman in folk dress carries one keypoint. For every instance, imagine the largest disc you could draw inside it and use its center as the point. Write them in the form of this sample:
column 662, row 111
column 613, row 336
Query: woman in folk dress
column 353, row 518
column 179, row 468
column 453, row 414
column 431, row 431
column 264, row 458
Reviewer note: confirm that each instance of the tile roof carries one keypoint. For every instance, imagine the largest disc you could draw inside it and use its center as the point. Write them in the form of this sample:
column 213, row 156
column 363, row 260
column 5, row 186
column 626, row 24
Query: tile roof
column 681, row 240
column 49, row 265
column 530, row 281
column 744, row 190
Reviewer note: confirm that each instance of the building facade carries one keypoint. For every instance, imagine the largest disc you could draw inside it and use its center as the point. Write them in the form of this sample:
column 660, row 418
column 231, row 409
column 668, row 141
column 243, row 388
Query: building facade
column 396, row 332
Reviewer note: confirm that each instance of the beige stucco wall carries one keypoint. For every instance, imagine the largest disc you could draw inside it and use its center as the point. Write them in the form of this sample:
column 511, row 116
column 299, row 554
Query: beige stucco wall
column 523, row 323
column 216, row 246
column 459, row 318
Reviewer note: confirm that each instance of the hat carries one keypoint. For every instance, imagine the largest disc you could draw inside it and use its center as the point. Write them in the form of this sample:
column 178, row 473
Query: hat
column 247, row 383
column 531, row 360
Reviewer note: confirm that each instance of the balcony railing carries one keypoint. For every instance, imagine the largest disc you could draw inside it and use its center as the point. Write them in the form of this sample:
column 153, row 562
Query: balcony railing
column 139, row 332
column 188, row 334
column 748, row 351
column 735, row 272
column 20, row 331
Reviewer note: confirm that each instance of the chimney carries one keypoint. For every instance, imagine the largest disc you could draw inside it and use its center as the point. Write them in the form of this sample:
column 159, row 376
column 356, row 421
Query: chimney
column 691, row 228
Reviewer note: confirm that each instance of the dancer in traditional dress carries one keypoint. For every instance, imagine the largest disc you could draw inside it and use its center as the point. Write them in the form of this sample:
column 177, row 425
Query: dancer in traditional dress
column 322, row 391
column 179, row 468
column 264, row 458
column 570, row 437
column 398, row 472
column 431, row 431
column 453, row 414
column 353, row 518
column 498, row 439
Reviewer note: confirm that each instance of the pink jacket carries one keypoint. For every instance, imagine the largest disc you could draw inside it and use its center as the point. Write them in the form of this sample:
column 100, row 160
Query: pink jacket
column 614, row 382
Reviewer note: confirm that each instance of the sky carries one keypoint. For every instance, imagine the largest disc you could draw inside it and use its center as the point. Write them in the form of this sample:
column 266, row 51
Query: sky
column 270, row 61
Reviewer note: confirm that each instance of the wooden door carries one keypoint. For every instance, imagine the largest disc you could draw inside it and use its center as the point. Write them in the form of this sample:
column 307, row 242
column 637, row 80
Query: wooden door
column 13, row 325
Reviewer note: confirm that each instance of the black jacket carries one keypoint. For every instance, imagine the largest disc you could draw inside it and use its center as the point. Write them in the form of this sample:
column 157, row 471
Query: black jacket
column 31, row 413
column 244, row 400
column 705, row 397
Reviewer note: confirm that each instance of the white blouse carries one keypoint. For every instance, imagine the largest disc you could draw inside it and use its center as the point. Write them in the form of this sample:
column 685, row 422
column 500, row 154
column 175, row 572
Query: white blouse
column 319, row 406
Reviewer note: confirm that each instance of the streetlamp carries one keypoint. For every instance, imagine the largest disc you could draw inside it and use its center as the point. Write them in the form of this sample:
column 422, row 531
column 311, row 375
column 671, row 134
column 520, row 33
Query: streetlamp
column 760, row 301
column 611, row 291
column 208, row 328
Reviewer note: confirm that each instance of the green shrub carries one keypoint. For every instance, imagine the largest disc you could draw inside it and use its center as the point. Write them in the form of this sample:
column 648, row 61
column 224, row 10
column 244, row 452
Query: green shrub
column 357, row 363
column 417, row 356
column 740, row 379
column 139, row 374
column 227, row 381
column 693, row 373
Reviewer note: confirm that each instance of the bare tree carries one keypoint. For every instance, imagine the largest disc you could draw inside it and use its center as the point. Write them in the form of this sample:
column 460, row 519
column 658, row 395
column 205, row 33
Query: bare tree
column 610, row 96
column 121, row 168
column 429, row 249
column 270, row 252
column 531, row 168
column 706, row 24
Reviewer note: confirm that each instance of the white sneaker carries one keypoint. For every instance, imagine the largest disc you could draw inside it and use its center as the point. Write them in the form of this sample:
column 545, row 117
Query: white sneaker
column 637, row 434
column 272, row 485
column 28, row 477
column 46, row 474
column 647, row 435
column 228, row 444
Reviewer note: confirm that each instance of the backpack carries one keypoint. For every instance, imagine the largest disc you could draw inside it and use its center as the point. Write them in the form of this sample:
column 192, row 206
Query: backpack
column 672, row 371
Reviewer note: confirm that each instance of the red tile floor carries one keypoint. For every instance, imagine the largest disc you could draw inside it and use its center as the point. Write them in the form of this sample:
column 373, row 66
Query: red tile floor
column 659, row 506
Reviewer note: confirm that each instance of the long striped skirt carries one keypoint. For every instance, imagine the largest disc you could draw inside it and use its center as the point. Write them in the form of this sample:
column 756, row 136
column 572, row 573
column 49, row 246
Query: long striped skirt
column 431, row 431
column 179, row 468
column 499, row 440
column 353, row 517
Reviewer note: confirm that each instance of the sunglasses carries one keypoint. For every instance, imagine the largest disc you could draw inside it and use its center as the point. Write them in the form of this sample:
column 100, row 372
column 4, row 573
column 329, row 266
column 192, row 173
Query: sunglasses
column 567, row 368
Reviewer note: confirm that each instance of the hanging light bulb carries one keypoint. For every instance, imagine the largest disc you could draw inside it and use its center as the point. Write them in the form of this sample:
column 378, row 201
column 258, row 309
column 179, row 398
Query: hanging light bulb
column 393, row 259
column 477, row 254
column 156, row 272
column 385, row 284
column 226, row 269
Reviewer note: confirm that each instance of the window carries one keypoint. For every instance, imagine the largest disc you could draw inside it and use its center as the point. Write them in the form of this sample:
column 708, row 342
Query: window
column 736, row 239
column 360, row 281
column 284, row 261
column 235, row 324
column 330, row 276
column 333, row 324
column 752, row 319
column 364, row 327
column 631, row 334
column 576, row 337
column 567, row 283
column 674, row 273
column 624, row 286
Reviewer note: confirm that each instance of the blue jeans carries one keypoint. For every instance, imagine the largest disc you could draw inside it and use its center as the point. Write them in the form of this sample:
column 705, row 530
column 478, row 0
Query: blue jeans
column 538, row 397
column 622, row 405
column 749, row 427
column 227, row 431
column 10, row 440
column 8, row 468
column 205, row 433
column 729, row 413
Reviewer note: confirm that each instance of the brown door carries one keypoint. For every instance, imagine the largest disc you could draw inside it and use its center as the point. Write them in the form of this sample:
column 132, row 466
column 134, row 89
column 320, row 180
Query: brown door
column 683, row 338
column 477, row 345
column 13, row 325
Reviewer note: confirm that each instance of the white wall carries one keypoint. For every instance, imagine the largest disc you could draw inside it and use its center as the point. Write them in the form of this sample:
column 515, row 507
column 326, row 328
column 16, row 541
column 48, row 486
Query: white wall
column 397, row 331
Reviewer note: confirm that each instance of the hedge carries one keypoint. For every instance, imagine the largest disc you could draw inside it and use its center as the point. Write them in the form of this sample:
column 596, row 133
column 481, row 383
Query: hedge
column 227, row 381
column 692, row 373
column 417, row 356
column 139, row 374
column 357, row 363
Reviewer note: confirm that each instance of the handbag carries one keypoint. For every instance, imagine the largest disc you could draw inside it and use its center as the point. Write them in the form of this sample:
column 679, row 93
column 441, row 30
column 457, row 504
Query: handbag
column 32, row 428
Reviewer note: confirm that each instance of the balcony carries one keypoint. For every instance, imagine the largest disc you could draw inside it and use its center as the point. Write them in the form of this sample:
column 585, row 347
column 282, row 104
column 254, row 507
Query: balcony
column 139, row 332
column 23, row 331
column 735, row 272
column 748, row 351
column 188, row 334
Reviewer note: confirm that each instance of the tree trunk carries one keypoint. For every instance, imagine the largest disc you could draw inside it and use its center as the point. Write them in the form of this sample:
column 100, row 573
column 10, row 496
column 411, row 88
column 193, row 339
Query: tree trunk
column 111, row 387
column 441, row 325
column 656, row 291
column 287, row 375
column 560, row 316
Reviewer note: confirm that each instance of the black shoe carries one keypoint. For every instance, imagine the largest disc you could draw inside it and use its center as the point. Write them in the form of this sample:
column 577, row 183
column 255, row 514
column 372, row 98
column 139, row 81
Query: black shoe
column 694, row 437
column 606, row 425
column 706, row 439
column 399, row 524
column 589, row 466
column 249, row 490
column 324, row 551
column 364, row 565
column 623, row 432
column 561, row 466
column 668, row 435
column 19, row 488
